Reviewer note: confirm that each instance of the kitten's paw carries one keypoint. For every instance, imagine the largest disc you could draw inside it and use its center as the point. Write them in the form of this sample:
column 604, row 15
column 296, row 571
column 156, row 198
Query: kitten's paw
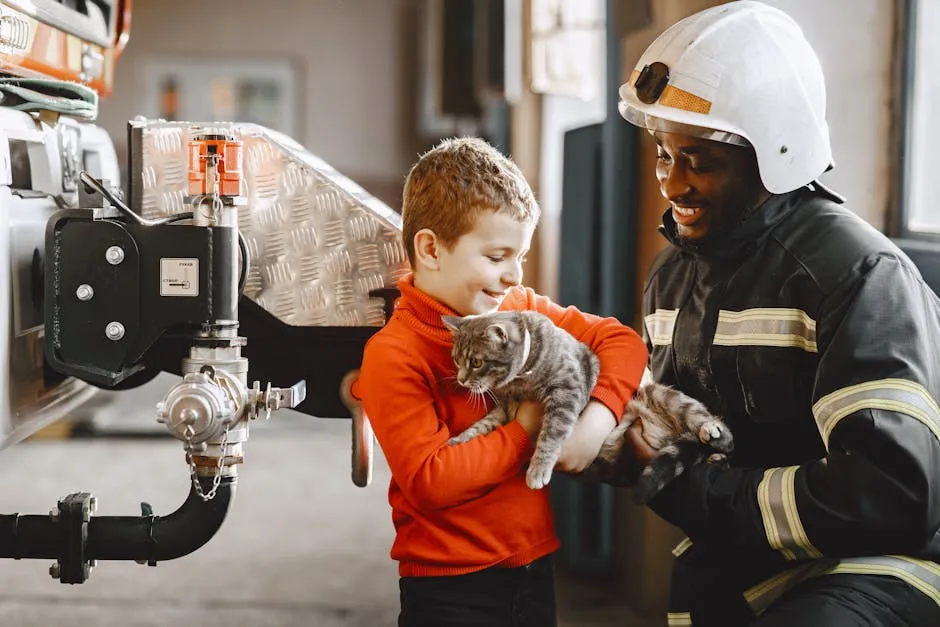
column 717, row 435
column 709, row 431
column 718, row 458
column 460, row 439
column 537, row 477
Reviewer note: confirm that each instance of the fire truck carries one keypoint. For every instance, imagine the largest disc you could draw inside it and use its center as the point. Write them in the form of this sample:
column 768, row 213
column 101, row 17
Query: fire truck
column 230, row 256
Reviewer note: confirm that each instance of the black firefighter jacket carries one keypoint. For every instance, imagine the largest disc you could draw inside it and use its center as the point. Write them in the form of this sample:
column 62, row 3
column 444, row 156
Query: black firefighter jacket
column 818, row 342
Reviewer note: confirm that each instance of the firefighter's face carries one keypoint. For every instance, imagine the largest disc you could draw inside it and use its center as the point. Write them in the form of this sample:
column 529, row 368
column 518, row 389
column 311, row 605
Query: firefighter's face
column 710, row 185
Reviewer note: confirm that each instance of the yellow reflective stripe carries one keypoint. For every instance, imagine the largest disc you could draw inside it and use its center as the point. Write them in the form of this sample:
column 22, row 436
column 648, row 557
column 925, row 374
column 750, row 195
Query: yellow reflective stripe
column 760, row 597
column 679, row 619
column 766, row 326
column 682, row 547
column 660, row 325
column 776, row 498
column 769, row 313
column 899, row 395
column 920, row 574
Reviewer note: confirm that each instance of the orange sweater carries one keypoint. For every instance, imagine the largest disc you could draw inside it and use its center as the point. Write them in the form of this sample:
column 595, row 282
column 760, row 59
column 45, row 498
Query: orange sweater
column 459, row 509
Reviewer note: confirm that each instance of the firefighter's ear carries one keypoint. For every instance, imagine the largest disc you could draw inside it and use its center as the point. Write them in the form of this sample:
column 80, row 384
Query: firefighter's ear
column 427, row 250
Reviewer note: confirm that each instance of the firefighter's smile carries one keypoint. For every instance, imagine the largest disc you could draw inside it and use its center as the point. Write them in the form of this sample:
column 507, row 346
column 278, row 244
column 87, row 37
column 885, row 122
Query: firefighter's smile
column 687, row 215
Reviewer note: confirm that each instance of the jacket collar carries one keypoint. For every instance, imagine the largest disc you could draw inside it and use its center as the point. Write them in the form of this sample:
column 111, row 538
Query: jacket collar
column 746, row 236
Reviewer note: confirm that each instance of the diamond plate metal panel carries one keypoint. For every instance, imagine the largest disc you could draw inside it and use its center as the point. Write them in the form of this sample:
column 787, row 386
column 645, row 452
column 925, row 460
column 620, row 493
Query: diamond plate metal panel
column 318, row 242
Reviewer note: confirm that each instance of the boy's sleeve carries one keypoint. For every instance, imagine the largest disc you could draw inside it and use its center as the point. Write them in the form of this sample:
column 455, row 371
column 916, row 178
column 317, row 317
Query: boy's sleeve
column 397, row 399
column 621, row 351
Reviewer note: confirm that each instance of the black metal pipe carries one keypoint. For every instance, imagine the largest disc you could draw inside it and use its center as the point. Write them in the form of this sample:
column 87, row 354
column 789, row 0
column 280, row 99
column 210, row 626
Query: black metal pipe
column 140, row 538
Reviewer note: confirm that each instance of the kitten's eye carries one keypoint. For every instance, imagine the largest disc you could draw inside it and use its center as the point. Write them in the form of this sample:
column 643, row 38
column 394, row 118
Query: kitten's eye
column 476, row 362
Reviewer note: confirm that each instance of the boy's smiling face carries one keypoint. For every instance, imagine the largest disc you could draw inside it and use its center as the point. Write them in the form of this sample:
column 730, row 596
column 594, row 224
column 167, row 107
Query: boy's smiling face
column 474, row 275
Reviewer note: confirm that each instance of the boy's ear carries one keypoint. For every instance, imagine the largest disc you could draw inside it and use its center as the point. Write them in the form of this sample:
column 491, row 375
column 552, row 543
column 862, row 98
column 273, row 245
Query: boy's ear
column 452, row 322
column 427, row 249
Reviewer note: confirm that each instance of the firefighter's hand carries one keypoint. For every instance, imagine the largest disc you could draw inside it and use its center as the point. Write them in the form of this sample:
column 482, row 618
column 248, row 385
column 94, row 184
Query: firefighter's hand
column 581, row 448
column 643, row 453
column 634, row 454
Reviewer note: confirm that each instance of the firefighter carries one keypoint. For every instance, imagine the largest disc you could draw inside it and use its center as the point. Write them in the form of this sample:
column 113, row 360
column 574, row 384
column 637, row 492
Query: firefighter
column 804, row 327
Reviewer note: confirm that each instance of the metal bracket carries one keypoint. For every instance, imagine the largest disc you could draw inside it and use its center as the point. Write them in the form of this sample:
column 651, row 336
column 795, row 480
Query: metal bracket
column 75, row 511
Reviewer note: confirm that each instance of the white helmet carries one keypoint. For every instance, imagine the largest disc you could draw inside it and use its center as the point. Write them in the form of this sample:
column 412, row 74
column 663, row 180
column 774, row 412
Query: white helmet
column 740, row 73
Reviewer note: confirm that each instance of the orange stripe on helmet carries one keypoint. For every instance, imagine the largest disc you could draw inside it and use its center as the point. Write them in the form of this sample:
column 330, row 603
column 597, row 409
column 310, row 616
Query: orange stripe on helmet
column 679, row 98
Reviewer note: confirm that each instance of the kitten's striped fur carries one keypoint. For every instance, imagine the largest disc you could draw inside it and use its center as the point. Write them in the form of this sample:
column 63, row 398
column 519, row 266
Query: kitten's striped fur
column 679, row 427
column 522, row 355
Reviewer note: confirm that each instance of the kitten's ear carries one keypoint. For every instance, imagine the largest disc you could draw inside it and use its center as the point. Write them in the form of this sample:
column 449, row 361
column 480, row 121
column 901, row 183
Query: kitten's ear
column 452, row 322
column 497, row 333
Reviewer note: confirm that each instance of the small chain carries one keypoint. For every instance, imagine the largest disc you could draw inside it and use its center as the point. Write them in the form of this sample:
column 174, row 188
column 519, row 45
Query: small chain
column 217, row 479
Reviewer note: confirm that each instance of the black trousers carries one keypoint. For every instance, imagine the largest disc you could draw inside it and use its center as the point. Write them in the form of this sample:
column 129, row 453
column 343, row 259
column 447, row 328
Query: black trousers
column 838, row 600
column 847, row 600
column 494, row 597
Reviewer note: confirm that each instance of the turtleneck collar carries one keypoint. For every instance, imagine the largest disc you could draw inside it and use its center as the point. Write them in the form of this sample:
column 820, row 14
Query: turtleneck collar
column 422, row 312
column 746, row 235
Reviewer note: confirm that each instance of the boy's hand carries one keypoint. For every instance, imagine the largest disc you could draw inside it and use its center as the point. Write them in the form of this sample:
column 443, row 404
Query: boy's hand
column 581, row 447
column 530, row 415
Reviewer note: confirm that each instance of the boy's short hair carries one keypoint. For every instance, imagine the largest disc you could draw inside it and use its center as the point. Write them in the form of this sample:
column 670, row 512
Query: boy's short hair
column 451, row 184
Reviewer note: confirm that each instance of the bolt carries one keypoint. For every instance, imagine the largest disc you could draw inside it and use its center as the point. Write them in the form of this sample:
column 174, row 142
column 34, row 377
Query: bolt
column 84, row 292
column 188, row 416
column 114, row 331
column 55, row 570
column 114, row 255
column 93, row 505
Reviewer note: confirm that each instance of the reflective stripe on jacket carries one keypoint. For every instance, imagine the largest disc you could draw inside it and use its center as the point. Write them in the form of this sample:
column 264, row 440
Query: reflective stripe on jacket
column 816, row 339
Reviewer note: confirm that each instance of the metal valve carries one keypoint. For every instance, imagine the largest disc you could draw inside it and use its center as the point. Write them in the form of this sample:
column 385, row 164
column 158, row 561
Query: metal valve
column 197, row 409
column 262, row 403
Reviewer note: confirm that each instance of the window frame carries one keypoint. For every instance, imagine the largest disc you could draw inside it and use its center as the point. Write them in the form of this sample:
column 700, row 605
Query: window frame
column 907, row 52
column 922, row 247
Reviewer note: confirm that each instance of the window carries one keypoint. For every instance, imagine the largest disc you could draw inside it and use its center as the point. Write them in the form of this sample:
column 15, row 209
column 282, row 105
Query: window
column 918, row 224
column 920, row 164
column 567, row 45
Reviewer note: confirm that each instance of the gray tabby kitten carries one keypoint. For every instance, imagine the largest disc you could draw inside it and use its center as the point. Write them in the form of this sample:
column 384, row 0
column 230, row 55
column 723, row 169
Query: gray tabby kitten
column 679, row 427
column 522, row 355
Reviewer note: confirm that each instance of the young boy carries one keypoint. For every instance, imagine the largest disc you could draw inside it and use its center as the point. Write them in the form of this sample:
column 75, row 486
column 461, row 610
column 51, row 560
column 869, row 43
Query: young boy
column 473, row 542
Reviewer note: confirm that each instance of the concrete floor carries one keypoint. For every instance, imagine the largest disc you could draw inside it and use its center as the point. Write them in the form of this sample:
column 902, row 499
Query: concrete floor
column 301, row 545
